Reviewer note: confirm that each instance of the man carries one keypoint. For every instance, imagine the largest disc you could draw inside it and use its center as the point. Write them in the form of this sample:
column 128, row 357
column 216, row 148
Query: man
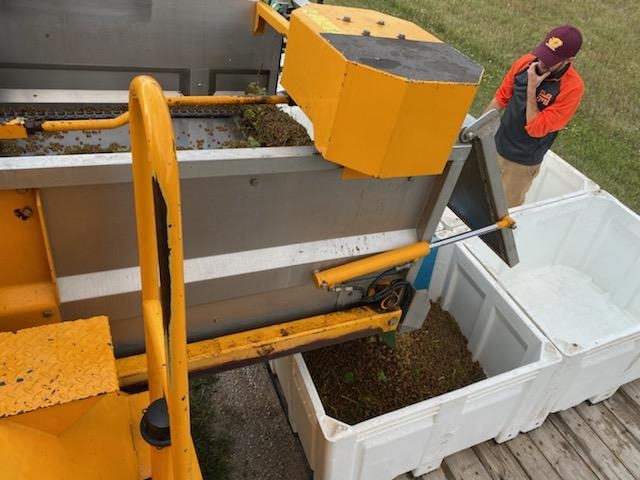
column 539, row 95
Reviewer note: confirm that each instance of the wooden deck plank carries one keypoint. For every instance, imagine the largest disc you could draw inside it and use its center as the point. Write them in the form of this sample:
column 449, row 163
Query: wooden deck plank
column 499, row 461
column 531, row 458
column 465, row 465
column 560, row 454
column 626, row 411
column 632, row 390
column 589, row 446
column 435, row 475
column 588, row 442
column 614, row 435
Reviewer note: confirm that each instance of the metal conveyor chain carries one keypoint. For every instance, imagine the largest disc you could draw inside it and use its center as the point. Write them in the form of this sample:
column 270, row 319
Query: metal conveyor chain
column 40, row 113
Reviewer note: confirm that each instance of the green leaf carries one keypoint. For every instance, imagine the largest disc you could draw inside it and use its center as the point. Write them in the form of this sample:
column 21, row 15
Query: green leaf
column 389, row 338
column 253, row 143
column 348, row 378
column 382, row 377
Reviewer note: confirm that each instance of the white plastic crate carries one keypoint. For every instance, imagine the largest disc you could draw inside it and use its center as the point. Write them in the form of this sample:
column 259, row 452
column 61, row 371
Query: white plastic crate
column 557, row 180
column 519, row 362
column 579, row 281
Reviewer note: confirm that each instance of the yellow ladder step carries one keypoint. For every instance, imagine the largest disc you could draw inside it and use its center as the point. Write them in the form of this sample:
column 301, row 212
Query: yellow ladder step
column 55, row 364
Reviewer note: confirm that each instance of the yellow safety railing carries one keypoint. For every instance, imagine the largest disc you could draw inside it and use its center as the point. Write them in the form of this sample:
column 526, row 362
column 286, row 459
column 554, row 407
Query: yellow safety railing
column 123, row 119
column 159, row 227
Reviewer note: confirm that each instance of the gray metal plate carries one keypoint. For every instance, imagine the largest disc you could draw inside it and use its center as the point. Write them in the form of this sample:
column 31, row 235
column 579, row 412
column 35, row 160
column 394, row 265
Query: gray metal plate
column 478, row 199
column 229, row 214
column 424, row 61
column 93, row 44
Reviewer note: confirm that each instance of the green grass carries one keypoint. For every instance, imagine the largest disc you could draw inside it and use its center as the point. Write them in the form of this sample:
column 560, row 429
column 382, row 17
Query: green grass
column 603, row 139
column 212, row 447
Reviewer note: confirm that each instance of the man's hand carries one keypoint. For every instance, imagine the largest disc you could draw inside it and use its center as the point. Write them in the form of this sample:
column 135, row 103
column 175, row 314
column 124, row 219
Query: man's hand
column 533, row 78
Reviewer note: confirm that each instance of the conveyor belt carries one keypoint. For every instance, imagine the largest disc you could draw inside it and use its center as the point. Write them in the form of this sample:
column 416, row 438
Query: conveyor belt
column 41, row 112
column 196, row 128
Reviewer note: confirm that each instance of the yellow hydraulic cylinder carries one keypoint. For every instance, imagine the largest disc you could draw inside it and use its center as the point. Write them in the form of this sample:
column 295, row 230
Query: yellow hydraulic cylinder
column 334, row 276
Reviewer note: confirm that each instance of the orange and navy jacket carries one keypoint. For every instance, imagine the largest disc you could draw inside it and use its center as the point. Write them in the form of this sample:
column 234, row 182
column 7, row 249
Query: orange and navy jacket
column 558, row 97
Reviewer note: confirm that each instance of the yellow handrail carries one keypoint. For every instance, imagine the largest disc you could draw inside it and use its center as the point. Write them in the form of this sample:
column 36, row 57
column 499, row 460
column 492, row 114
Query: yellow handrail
column 159, row 227
column 89, row 124
column 210, row 100
column 123, row 119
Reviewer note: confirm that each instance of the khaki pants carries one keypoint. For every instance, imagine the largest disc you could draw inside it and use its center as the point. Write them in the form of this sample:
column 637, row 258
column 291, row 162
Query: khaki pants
column 516, row 180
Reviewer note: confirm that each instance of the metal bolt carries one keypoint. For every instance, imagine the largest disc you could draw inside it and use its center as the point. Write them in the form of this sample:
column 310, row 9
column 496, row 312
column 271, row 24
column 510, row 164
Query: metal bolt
column 47, row 314
column 254, row 181
column 393, row 321
column 346, row 18
column 402, row 36
column 23, row 213
column 380, row 22
column 366, row 33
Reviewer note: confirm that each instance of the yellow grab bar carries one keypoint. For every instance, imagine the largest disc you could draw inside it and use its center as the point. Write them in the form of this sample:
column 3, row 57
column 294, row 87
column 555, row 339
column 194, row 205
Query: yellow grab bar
column 159, row 227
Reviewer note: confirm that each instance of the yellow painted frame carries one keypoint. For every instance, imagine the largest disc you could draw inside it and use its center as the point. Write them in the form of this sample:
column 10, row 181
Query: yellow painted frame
column 265, row 14
column 268, row 342
column 159, row 226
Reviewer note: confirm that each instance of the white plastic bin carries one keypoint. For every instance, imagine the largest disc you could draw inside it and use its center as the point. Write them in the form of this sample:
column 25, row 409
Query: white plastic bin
column 557, row 180
column 519, row 362
column 579, row 281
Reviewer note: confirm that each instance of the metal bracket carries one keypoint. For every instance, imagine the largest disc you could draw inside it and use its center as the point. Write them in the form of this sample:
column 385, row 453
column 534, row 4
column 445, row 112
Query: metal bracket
column 487, row 123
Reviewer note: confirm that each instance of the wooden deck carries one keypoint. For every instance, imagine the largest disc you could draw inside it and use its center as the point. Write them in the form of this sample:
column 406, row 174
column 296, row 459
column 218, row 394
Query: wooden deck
column 588, row 442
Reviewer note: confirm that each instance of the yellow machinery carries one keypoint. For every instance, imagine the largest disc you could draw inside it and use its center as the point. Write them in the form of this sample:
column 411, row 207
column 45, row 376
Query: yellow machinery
column 270, row 235
column 385, row 97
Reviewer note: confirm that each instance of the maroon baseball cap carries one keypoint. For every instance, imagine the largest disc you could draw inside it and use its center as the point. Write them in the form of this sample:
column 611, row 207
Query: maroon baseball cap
column 560, row 43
